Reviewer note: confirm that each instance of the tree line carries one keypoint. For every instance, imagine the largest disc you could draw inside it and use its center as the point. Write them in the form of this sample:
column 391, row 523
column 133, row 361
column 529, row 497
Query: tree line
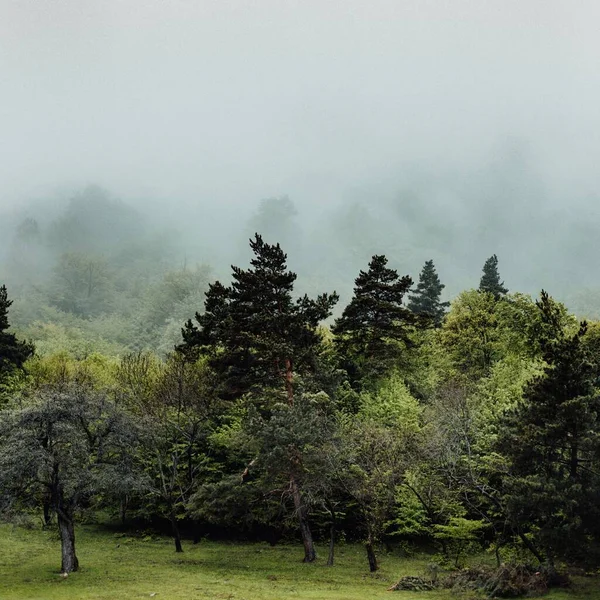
column 466, row 426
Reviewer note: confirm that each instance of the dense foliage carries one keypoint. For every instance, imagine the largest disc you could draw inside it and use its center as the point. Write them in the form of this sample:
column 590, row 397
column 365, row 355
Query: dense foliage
column 471, row 429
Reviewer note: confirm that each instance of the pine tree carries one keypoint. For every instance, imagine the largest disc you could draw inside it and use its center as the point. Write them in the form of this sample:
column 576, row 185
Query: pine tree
column 13, row 353
column 552, row 441
column 490, row 280
column 257, row 338
column 425, row 300
column 374, row 328
column 256, row 335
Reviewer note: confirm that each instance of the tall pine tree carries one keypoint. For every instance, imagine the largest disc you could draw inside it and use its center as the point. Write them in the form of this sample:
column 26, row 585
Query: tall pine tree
column 374, row 328
column 425, row 300
column 255, row 334
column 490, row 280
column 258, row 338
column 552, row 440
column 13, row 352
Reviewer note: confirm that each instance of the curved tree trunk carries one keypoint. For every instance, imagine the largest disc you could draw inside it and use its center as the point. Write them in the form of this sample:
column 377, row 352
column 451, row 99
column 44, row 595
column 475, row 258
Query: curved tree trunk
column 67, row 541
column 309, row 547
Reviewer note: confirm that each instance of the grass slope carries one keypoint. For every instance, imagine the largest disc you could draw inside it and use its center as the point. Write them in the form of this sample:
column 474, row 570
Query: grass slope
column 126, row 568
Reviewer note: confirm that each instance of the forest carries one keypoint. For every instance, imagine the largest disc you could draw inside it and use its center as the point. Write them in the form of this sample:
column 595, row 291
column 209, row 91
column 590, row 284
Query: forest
column 248, row 405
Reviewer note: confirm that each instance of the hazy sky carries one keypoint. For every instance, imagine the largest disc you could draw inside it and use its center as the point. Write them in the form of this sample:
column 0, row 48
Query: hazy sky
column 237, row 100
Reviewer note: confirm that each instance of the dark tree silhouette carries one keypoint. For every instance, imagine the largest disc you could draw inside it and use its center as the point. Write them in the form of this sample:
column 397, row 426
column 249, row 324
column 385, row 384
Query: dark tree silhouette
column 425, row 300
column 490, row 280
column 13, row 352
column 375, row 326
column 258, row 338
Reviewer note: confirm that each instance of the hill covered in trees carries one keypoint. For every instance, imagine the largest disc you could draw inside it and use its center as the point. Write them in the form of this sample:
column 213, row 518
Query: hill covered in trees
column 469, row 427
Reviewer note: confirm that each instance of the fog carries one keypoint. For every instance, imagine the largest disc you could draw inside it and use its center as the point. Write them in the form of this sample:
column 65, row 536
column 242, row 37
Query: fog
column 460, row 128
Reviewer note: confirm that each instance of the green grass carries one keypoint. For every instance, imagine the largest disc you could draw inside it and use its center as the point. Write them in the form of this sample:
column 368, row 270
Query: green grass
column 125, row 568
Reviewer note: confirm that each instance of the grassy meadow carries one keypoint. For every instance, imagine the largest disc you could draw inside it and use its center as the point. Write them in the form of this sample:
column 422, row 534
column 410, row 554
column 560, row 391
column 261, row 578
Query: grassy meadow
column 116, row 566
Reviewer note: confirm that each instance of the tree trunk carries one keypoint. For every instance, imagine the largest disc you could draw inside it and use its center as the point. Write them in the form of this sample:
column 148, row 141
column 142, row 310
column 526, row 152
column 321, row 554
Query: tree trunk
column 67, row 542
column 331, row 534
column 176, row 534
column 309, row 547
column 574, row 461
column 531, row 547
column 123, row 509
column 373, row 566
column 197, row 533
column 47, row 505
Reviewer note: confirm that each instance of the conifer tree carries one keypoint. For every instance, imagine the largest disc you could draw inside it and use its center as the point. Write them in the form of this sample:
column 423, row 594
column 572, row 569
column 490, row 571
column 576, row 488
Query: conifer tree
column 13, row 352
column 490, row 280
column 255, row 334
column 257, row 337
column 552, row 441
column 425, row 300
column 375, row 326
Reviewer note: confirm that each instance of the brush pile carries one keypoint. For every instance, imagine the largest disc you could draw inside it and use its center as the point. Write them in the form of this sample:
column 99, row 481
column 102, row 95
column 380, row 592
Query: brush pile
column 506, row 581
column 413, row 584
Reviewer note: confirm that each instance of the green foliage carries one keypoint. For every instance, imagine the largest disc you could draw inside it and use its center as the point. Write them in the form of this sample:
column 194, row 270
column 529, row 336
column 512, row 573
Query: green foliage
column 60, row 370
column 392, row 405
column 490, row 280
column 13, row 352
column 168, row 303
column 374, row 328
column 63, row 448
column 425, row 299
column 411, row 518
column 173, row 404
column 253, row 331
column 459, row 533
column 552, row 441
column 82, row 285
column 470, row 333
column 479, row 331
column 483, row 428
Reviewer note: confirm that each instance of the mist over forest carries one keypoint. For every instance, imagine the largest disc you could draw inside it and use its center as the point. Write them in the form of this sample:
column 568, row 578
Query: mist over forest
column 300, row 272
column 137, row 248
column 146, row 135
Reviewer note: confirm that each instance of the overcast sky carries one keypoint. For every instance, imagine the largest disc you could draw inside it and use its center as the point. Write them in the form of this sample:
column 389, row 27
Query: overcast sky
column 232, row 101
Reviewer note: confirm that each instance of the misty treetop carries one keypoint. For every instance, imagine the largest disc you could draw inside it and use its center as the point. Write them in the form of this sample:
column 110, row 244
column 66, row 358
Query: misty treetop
column 425, row 299
column 490, row 280
column 254, row 329
column 374, row 327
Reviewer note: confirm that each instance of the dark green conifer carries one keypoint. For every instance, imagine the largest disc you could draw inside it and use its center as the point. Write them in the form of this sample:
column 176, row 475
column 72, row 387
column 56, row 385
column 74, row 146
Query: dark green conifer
column 552, row 440
column 490, row 280
column 425, row 300
column 13, row 352
column 256, row 335
column 375, row 326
